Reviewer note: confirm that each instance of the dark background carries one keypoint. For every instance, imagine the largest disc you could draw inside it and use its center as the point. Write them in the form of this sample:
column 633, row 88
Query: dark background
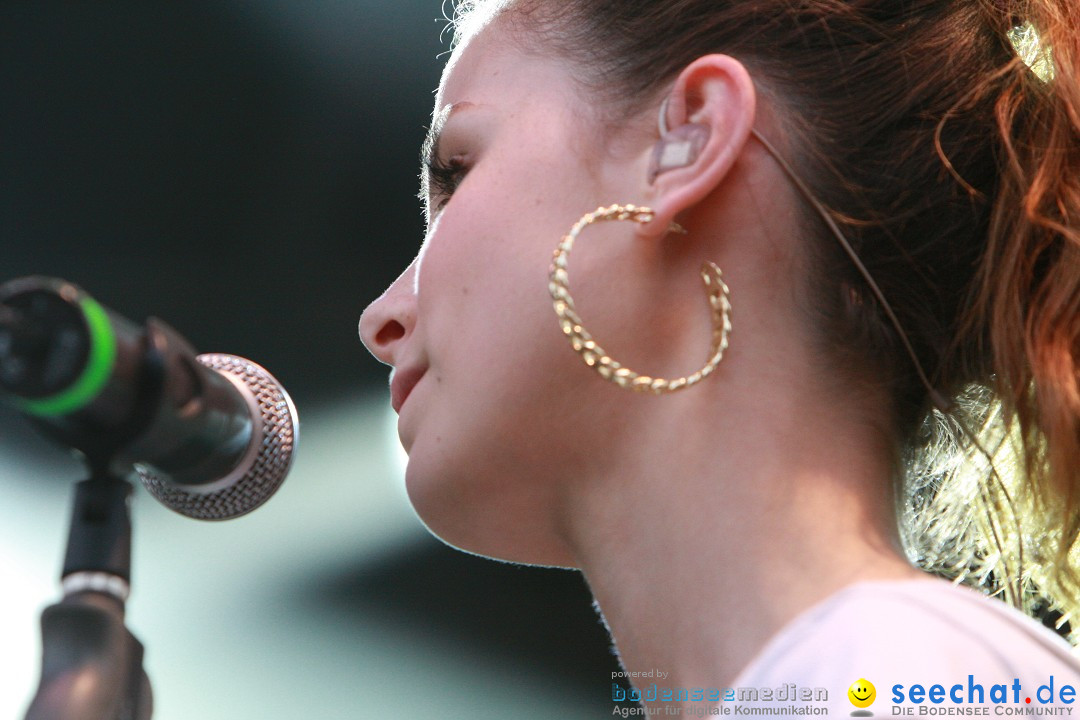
column 247, row 172
column 244, row 170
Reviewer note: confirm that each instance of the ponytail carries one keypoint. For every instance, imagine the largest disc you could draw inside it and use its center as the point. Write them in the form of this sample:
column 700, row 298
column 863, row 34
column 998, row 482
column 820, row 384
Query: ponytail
column 1025, row 314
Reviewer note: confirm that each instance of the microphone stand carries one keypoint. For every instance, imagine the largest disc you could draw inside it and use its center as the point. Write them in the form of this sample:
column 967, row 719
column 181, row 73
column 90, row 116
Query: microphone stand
column 91, row 663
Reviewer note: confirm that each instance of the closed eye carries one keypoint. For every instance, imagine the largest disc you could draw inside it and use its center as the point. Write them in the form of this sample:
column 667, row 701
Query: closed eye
column 440, row 180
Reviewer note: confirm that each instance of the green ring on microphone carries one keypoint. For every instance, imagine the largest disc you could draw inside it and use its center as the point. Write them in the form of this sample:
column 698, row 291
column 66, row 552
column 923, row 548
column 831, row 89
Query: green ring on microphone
column 95, row 375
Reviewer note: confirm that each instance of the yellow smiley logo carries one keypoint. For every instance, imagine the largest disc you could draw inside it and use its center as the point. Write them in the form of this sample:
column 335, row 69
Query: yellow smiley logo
column 862, row 693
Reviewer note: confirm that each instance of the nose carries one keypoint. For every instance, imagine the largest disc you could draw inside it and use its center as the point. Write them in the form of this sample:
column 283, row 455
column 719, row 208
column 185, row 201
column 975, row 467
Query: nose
column 389, row 321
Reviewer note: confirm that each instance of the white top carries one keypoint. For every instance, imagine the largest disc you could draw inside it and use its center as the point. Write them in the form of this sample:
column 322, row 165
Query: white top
column 924, row 644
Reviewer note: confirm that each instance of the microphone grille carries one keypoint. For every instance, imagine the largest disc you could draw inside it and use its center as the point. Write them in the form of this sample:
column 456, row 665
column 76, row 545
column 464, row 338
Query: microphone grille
column 275, row 434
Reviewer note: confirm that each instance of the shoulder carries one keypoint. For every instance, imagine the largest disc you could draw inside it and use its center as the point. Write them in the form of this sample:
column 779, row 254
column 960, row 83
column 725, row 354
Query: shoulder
column 911, row 632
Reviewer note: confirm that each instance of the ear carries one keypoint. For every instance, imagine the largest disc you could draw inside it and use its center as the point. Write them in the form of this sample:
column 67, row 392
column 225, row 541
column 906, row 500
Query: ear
column 709, row 116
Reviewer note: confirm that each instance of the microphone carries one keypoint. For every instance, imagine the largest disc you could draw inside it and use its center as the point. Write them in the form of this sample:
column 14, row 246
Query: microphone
column 211, row 436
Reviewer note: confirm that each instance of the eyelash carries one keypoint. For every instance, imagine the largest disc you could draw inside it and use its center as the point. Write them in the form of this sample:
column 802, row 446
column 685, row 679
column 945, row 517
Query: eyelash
column 444, row 177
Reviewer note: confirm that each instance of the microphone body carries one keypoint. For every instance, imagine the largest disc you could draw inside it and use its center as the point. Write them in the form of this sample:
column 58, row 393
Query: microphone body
column 211, row 436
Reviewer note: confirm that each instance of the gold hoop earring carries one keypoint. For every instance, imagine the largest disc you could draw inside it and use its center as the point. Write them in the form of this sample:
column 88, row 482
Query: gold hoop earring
column 591, row 352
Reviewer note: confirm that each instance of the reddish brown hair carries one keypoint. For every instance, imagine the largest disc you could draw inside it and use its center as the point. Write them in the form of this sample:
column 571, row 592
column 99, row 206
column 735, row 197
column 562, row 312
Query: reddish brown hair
column 955, row 173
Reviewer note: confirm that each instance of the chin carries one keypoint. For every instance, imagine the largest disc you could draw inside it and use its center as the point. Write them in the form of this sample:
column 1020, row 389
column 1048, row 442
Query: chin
column 481, row 520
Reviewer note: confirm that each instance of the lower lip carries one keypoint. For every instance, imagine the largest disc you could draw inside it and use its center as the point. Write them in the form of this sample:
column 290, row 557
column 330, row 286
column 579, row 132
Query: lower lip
column 405, row 421
column 405, row 399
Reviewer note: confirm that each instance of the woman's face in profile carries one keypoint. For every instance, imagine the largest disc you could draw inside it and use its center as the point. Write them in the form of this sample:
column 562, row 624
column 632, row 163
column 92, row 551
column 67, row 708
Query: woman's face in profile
column 490, row 394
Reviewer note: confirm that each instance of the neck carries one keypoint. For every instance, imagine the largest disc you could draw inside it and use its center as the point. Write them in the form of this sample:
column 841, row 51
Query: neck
column 695, row 569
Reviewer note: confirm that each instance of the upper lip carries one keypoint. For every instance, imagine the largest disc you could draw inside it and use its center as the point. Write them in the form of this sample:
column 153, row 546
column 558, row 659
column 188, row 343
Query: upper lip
column 402, row 383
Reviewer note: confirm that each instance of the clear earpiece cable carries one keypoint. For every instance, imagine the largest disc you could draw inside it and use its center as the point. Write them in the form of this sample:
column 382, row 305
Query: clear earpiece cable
column 941, row 403
column 939, row 400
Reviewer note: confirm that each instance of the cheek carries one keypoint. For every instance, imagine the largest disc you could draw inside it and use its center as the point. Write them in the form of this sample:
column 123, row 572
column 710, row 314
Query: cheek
column 482, row 293
column 496, row 353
